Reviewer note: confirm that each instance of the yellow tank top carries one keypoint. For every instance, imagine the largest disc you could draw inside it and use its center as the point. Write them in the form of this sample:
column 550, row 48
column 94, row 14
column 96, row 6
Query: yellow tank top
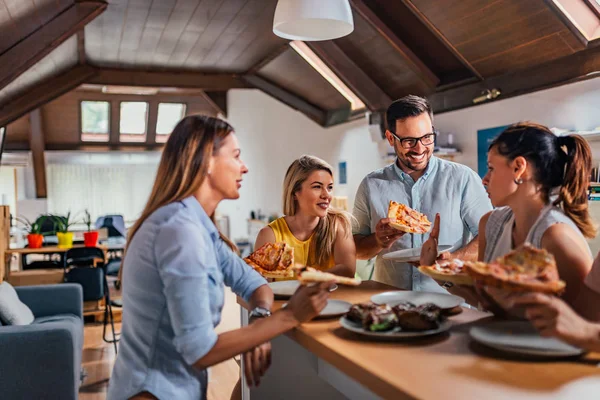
column 301, row 248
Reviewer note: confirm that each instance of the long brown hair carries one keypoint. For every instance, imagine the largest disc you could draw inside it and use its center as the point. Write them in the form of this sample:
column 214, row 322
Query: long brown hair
column 554, row 167
column 325, row 233
column 184, row 164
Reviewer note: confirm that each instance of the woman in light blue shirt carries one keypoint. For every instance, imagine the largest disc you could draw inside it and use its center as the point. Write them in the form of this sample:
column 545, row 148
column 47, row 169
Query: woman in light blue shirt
column 175, row 268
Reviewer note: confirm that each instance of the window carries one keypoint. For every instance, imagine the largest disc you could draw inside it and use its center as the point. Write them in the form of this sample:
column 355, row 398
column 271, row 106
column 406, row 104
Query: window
column 95, row 121
column 595, row 6
column 581, row 15
column 169, row 114
column 314, row 61
column 133, row 122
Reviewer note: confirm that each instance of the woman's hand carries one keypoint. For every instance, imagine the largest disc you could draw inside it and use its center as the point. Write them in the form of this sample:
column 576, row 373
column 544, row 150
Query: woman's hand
column 308, row 301
column 429, row 251
column 553, row 317
column 256, row 363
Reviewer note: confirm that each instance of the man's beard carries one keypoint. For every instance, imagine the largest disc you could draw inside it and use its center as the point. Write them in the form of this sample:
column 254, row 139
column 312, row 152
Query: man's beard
column 406, row 163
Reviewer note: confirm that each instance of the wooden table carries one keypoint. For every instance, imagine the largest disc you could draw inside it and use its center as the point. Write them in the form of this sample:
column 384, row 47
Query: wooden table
column 447, row 366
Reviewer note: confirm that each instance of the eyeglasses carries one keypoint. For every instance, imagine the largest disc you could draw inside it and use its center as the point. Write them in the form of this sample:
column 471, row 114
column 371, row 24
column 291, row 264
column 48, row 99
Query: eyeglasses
column 409, row 143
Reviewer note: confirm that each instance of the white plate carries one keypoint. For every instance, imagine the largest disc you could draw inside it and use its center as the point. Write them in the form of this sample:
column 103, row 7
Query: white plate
column 520, row 337
column 411, row 255
column 334, row 308
column 287, row 288
column 396, row 333
column 417, row 298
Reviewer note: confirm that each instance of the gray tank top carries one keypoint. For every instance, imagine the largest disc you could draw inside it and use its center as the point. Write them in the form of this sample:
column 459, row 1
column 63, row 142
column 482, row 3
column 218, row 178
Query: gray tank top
column 500, row 219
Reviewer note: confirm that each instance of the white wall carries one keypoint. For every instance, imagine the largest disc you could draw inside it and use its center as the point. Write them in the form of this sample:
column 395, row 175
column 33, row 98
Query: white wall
column 272, row 135
column 574, row 107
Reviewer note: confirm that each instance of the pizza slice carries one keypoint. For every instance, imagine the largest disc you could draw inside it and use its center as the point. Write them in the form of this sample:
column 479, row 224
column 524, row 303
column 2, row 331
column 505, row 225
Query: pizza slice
column 448, row 271
column 310, row 275
column 524, row 269
column 404, row 218
column 273, row 260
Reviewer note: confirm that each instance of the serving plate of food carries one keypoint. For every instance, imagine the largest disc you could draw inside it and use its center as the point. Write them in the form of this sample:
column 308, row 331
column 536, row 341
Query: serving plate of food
column 402, row 321
column 442, row 300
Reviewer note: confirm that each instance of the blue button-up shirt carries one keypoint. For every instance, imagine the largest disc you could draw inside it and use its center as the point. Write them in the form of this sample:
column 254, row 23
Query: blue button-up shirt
column 453, row 190
column 173, row 277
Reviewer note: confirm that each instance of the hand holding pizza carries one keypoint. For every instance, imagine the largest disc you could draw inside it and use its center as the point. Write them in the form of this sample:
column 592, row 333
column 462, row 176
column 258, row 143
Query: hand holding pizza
column 553, row 317
column 429, row 251
column 385, row 235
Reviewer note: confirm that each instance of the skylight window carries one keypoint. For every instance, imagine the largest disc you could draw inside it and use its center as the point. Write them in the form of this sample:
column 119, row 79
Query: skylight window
column 305, row 52
column 95, row 121
column 133, row 122
column 584, row 15
column 169, row 114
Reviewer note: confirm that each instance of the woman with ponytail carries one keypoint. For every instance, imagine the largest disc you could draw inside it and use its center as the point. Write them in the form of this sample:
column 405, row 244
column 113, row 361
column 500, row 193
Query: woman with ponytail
column 174, row 271
column 539, row 182
column 320, row 235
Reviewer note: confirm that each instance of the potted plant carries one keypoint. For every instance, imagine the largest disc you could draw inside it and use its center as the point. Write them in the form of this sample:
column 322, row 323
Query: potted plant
column 65, row 238
column 90, row 238
column 34, row 237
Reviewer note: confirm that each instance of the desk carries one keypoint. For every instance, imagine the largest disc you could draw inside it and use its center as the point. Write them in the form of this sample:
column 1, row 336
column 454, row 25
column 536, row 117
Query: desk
column 320, row 359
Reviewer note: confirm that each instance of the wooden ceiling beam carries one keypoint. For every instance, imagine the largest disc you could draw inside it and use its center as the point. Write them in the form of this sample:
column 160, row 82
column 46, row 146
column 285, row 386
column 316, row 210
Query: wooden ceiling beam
column 440, row 36
column 352, row 75
column 44, row 92
column 313, row 112
column 268, row 58
column 217, row 100
column 413, row 62
column 31, row 49
column 573, row 68
column 37, row 145
column 196, row 80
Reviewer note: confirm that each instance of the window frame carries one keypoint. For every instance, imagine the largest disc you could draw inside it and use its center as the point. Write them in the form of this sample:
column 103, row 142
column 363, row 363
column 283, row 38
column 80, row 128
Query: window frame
column 166, row 135
column 134, row 137
column 594, row 6
column 83, row 134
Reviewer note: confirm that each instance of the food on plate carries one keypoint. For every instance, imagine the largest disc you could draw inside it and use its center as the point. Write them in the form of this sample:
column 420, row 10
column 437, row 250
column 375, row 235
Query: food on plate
column 380, row 319
column 404, row 218
column 406, row 316
column 420, row 318
column 448, row 271
column 309, row 275
column 524, row 269
column 273, row 260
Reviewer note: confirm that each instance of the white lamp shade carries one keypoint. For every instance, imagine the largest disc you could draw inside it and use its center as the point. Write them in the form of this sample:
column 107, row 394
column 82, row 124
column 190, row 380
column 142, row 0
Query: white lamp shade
column 313, row 20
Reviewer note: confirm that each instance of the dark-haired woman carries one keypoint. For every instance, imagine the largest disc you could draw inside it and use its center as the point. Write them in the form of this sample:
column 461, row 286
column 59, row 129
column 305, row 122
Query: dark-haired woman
column 538, row 184
column 175, row 268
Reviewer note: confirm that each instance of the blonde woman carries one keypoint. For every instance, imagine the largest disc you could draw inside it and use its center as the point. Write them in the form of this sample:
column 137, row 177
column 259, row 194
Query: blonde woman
column 174, row 271
column 321, row 236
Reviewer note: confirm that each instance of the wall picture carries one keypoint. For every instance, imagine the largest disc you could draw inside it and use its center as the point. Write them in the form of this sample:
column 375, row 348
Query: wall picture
column 484, row 139
column 342, row 173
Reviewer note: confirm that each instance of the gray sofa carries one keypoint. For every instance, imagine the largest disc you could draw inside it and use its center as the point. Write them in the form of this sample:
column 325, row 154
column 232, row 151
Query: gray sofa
column 43, row 360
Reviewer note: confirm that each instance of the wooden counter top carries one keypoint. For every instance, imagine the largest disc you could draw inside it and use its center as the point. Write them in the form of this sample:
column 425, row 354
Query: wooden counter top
column 447, row 366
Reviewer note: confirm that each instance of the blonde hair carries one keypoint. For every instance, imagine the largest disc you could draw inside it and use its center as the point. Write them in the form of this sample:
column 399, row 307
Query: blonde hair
column 184, row 164
column 324, row 236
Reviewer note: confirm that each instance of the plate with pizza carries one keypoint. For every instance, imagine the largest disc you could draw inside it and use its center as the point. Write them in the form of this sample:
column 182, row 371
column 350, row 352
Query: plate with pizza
column 273, row 260
column 448, row 271
column 285, row 289
column 525, row 269
column 405, row 219
column 521, row 338
column 411, row 255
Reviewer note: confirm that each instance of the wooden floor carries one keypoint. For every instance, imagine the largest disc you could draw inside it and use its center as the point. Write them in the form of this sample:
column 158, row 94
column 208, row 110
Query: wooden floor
column 98, row 359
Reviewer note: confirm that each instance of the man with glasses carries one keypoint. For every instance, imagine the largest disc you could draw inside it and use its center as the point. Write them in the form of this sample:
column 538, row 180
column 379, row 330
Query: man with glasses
column 427, row 184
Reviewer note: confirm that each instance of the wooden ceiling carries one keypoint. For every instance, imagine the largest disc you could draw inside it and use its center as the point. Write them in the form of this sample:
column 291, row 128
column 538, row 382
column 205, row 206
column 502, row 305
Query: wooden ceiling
column 451, row 51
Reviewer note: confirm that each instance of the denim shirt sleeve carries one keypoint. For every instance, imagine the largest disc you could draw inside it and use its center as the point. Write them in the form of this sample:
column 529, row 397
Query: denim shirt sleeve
column 361, row 225
column 184, row 256
column 238, row 275
column 475, row 202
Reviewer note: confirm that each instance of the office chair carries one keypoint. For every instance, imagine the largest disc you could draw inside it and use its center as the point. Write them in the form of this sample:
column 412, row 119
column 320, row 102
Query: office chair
column 86, row 266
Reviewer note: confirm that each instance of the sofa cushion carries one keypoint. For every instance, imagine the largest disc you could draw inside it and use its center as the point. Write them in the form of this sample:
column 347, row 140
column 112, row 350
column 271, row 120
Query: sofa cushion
column 12, row 310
